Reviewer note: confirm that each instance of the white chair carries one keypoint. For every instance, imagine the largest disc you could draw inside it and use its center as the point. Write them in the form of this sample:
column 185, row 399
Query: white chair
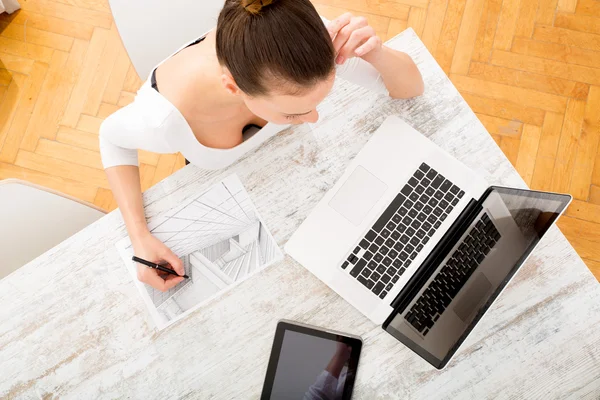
column 34, row 219
column 151, row 30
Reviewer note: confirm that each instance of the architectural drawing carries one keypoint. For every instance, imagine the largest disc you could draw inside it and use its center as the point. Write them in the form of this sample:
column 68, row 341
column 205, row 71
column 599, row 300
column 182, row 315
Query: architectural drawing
column 221, row 241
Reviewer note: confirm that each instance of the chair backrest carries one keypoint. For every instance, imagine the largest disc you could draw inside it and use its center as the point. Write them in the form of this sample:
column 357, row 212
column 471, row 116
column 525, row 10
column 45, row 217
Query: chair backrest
column 34, row 219
column 151, row 30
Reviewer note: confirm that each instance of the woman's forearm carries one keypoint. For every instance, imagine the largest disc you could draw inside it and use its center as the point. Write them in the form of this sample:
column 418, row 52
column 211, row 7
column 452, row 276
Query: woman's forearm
column 399, row 72
column 124, row 181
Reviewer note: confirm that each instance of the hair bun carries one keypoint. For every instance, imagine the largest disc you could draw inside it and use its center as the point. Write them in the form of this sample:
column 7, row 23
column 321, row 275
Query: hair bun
column 255, row 6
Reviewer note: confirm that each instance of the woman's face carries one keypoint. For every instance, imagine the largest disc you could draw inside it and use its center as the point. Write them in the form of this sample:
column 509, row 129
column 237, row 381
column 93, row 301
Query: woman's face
column 290, row 109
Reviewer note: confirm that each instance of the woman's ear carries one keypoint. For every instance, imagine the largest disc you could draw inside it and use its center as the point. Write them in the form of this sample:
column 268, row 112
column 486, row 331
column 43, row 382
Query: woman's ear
column 229, row 83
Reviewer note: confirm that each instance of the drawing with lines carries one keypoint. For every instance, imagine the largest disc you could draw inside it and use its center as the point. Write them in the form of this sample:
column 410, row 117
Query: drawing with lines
column 221, row 240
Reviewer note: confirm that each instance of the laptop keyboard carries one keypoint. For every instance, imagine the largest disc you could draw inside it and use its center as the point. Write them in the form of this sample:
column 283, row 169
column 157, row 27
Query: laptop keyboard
column 402, row 230
column 453, row 275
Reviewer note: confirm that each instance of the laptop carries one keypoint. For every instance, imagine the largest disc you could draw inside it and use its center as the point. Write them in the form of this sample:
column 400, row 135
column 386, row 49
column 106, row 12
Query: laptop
column 418, row 242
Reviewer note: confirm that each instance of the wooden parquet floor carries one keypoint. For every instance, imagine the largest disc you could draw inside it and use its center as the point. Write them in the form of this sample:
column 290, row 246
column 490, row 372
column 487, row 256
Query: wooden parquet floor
column 530, row 69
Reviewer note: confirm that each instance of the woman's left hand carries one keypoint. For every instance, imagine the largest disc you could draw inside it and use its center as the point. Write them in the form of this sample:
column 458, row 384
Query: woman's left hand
column 353, row 37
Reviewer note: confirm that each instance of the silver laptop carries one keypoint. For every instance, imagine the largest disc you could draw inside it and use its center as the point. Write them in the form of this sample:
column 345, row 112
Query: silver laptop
column 418, row 242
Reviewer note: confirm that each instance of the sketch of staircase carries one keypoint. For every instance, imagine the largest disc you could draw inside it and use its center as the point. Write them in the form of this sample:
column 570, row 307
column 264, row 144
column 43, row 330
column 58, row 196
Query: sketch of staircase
column 244, row 264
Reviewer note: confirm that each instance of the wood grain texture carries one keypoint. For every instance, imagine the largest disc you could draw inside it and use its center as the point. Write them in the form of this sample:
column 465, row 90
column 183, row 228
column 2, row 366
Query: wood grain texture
column 552, row 303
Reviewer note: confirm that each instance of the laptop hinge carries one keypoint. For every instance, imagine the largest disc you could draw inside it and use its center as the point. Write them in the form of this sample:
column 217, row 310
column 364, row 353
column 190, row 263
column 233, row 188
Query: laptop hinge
column 433, row 260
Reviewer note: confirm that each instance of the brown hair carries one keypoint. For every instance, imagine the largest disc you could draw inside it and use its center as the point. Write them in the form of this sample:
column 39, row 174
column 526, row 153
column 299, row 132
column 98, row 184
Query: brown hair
column 275, row 43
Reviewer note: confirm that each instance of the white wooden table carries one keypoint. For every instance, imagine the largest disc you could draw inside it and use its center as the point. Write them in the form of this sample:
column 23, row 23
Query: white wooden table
column 73, row 325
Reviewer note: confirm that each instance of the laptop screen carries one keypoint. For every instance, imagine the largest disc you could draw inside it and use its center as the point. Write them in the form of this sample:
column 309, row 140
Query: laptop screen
column 521, row 218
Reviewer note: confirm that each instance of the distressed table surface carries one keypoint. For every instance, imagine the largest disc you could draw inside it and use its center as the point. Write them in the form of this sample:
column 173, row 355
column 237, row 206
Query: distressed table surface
column 73, row 325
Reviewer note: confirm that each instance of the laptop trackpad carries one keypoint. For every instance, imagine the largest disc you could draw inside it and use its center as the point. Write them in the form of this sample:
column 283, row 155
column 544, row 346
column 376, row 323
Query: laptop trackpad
column 470, row 300
column 358, row 195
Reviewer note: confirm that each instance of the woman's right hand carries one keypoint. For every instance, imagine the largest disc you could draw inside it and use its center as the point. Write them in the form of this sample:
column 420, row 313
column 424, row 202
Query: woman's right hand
column 151, row 249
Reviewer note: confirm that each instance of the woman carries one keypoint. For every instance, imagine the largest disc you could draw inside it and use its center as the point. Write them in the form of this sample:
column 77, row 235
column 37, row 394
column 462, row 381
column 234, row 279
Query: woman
column 268, row 64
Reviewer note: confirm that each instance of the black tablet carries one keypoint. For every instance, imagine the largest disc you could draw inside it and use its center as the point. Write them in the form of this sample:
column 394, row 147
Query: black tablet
column 311, row 364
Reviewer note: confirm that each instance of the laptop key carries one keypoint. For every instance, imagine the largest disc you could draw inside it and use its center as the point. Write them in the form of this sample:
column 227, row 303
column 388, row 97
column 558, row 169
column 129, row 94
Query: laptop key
column 419, row 189
column 391, row 226
column 406, row 190
column 363, row 280
column 448, row 197
column 437, row 181
column 395, row 235
column 345, row 265
column 370, row 284
column 410, row 231
column 352, row 258
column 414, row 196
column 416, row 224
column 431, row 174
column 375, row 276
column 424, row 167
column 381, row 269
column 387, row 261
column 378, row 257
column 426, row 226
column 389, row 286
column 413, row 255
column 430, row 191
column 358, row 268
column 461, row 194
column 428, row 209
column 437, row 224
column 432, row 219
column 401, row 228
column 390, row 242
column 372, row 265
column 413, row 182
column 422, row 217
column 368, row 255
column 421, row 233
column 397, row 218
column 356, row 249
column 415, row 241
column 395, row 278
column 371, row 235
column 446, row 186
column 385, row 233
column 384, row 250
column 419, row 174
column 373, row 248
column 419, row 206
column 409, row 248
column 383, row 294
column 433, row 202
column 379, row 241
column 378, row 288
column 437, row 211
column 364, row 244
column 438, row 195
column 397, row 263
column 389, row 212
column 392, row 254
column 454, row 189
column 413, row 213
column 444, row 204
column 402, row 211
column 403, row 256
column 385, row 278
column 408, row 204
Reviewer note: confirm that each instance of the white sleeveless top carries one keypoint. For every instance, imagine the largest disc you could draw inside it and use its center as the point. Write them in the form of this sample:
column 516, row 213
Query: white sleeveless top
column 153, row 123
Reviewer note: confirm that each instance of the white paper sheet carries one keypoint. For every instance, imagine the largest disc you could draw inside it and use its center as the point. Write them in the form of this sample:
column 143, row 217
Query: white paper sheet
column 222, row 241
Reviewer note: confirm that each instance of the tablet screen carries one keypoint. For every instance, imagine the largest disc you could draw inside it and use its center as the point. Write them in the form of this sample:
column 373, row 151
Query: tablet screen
column 311, row 364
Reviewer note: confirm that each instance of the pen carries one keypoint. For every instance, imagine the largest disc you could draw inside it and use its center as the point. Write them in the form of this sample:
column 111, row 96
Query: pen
column 156, row 266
